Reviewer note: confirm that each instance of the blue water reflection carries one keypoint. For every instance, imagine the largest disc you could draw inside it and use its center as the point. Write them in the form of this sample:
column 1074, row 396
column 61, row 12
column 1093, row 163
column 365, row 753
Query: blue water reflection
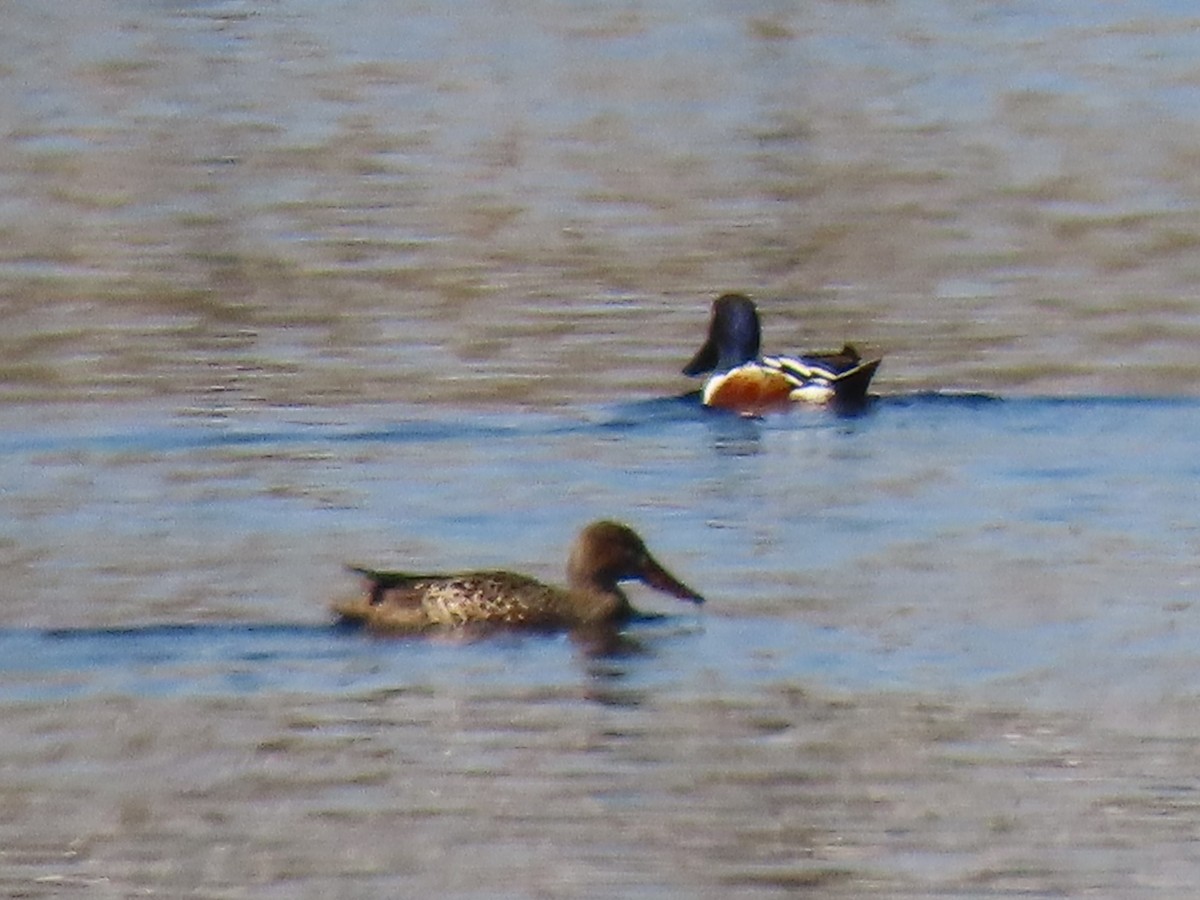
column 934, row 542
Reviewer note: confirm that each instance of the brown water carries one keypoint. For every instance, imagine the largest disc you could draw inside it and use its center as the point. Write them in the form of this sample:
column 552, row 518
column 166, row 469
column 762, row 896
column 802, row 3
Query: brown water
column 291, row 284
column 219, row 204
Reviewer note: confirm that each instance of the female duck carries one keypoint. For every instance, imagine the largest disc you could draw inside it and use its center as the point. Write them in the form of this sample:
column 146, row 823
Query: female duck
column 603, row 554
column 751, row 384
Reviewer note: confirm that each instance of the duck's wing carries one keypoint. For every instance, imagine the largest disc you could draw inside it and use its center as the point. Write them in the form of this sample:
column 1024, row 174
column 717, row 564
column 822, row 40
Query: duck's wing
column 398, row 588
column 843, row 372
column 388, row 578
column 830, row 366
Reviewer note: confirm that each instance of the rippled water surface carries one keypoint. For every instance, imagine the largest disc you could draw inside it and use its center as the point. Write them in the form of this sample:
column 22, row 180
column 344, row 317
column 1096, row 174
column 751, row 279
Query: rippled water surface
column 291, row 285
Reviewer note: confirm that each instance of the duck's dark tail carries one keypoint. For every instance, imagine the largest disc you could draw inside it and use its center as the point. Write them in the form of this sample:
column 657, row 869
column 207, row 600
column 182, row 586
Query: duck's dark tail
column 376, row 582
column 850, row 387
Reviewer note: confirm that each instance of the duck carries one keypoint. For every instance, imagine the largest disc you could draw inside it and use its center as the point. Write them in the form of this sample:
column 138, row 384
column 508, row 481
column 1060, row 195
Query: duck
column 750, row 384
column 603, row 554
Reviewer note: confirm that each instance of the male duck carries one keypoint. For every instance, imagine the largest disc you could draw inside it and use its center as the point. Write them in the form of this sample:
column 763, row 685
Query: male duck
column 603, row 554
column 751, row 384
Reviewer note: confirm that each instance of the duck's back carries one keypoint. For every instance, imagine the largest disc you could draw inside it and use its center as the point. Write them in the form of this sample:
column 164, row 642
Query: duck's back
column 401, row 600
column 500, row 597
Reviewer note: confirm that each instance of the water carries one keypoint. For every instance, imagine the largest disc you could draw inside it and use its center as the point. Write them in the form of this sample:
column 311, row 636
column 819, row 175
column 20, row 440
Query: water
column 948, row 646
column 296, row 285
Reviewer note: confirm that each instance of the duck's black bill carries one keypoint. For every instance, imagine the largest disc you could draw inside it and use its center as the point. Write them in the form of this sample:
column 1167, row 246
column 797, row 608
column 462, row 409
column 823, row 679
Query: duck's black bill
column 705, row 359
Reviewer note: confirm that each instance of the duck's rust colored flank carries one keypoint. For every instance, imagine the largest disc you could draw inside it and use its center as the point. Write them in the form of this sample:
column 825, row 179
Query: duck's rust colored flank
column 603, row 554
column 751, row 384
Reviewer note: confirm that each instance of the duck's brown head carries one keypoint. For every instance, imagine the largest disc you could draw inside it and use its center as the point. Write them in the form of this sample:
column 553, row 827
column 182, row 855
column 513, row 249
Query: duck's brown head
column 606, row 553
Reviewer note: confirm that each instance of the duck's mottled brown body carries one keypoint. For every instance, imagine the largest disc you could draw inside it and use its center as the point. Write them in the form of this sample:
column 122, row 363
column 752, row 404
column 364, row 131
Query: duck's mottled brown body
column 604, row 554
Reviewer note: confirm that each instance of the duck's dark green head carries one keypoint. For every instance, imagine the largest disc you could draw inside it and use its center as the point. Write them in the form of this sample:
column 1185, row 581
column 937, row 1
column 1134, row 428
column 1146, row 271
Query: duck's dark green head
column 733, row 336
